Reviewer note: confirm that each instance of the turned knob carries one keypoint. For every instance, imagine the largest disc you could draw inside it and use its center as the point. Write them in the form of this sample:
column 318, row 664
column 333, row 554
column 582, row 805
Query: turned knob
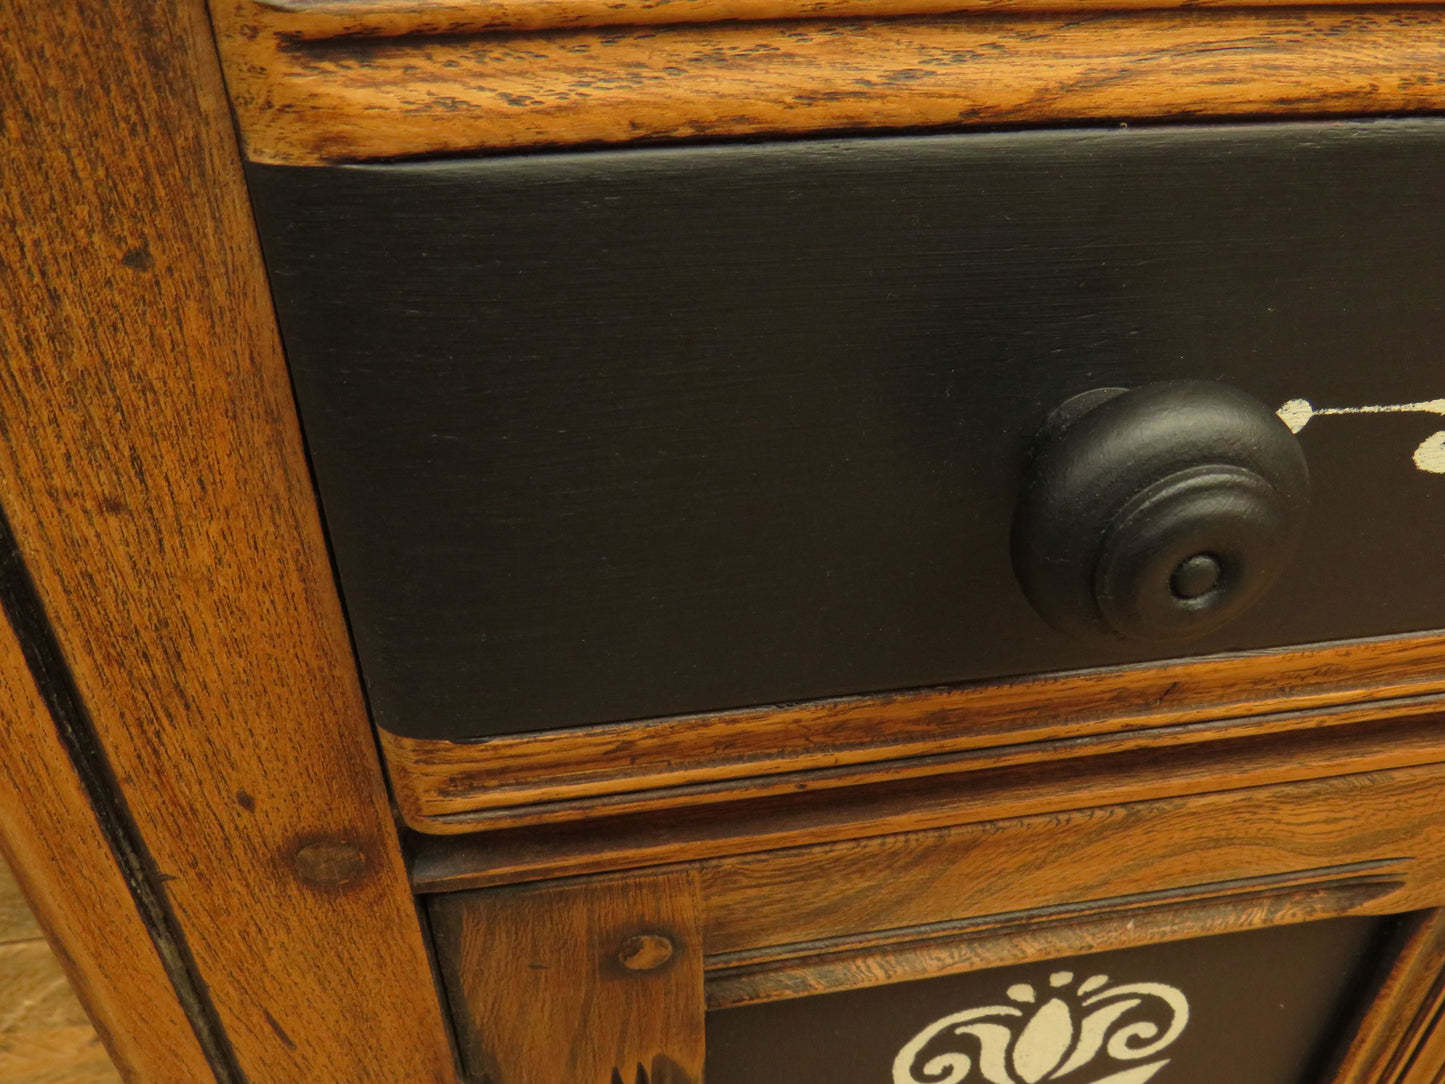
column 1158, row 513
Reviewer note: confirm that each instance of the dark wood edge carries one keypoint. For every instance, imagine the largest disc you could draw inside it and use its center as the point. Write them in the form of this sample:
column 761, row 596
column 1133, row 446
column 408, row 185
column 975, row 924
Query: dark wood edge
column 1425, row 1063
column 80, row 882
column 456, row 787
column 55, row 686
column 368, row 98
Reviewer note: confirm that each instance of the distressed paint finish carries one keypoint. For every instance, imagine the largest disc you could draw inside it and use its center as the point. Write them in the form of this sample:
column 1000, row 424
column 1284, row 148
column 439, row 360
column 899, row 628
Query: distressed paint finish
column 1429, row 456
column 354, row 99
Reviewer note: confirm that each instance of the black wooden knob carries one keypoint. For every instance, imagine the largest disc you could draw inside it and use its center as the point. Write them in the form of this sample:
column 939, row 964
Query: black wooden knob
column 1158, row 513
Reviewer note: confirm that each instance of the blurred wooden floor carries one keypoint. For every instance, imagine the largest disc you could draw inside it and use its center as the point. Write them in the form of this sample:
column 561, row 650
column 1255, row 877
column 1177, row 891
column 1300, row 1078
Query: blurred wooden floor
column 45, row 1037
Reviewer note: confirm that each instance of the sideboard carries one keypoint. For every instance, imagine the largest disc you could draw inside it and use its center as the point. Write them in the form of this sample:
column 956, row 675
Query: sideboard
column 617, row 542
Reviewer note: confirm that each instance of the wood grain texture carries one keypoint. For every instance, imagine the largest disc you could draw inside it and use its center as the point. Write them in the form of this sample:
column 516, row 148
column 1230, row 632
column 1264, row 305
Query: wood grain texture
column 1401, row 1014
column 154, row 477
column 1424, row 1063
column 51, row 839
column 45, row 1037
column 549, row 989
column 1021, row 789
column 17, row 923
column 1042, row 934
column 353, row 99
column 837, row 893
column 308, row 19
column 453, row 787
column 802, row 921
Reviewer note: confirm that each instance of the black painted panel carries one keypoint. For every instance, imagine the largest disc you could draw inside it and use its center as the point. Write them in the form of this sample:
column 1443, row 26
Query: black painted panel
column 611, row 435
column 1263, row 1007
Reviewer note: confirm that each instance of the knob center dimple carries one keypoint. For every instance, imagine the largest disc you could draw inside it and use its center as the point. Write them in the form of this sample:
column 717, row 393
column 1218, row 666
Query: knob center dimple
column 1196, row 576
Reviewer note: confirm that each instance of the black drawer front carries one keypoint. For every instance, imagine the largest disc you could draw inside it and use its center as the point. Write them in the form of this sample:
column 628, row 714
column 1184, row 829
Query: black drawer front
column 604, row 436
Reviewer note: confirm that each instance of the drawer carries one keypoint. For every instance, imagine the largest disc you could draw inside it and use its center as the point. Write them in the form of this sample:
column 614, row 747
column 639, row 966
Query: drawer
column 618, row 435
column 1267, row 935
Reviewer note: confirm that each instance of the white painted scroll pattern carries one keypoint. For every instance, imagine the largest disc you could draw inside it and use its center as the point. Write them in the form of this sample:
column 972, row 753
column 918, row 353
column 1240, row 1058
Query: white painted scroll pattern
column 1429, row 456
column 1095, row 1027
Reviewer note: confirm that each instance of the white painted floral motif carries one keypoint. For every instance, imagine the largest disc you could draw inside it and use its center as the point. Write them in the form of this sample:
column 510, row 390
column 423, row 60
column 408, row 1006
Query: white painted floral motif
column 1094, row 1026
column 1429, row 456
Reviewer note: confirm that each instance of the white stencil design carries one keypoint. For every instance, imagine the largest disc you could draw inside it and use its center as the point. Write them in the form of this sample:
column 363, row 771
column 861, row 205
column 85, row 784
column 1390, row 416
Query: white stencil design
column 1429, row 456
column 1094, row 1027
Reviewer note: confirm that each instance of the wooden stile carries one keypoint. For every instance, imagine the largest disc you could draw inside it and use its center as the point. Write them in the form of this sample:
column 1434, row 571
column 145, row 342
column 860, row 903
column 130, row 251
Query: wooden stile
column 154, row 479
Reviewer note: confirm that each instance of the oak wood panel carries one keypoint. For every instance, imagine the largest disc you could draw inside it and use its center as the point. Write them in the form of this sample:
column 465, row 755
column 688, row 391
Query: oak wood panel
column 1023, row 789
column 351, row 99
column 309, row 19
column 155, row 480
column 847, row 889
column 596, row 982
column 446, row 786
column 62, row 859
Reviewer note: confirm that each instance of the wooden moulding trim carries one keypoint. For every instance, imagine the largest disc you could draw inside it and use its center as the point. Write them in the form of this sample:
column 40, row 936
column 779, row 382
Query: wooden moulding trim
column 1398, row 1038
column 315, row 19
column 1058, row 787
column 1376, row 838
column 1178, row 737
column 1096, row 926
column 357, row 99
column 792, row 921
column 1425, row 1060
column 449, row 787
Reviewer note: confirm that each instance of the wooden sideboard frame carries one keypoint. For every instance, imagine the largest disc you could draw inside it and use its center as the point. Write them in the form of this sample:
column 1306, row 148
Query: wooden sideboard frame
column 325, row 83
column 557, row 777
column 192, row 794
